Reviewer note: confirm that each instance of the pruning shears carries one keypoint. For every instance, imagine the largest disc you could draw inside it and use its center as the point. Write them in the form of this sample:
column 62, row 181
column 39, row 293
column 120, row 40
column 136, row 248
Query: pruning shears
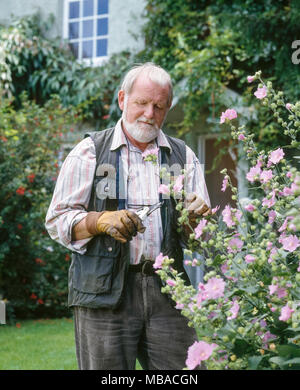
column 145, row 211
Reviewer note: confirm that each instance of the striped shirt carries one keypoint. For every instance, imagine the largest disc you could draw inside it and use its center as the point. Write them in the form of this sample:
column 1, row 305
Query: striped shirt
column 141, row 178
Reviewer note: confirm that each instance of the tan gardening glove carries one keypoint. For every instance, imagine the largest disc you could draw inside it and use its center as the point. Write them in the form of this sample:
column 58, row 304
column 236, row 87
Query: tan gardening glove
column 122, row 225
column 196, row 207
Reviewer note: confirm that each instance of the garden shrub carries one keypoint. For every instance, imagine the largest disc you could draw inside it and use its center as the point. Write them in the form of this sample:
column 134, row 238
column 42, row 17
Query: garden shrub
column 247, row 309
column 33, row 268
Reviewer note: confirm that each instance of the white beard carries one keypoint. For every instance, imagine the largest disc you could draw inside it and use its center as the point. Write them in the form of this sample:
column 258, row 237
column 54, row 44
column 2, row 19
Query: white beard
column 141, row 132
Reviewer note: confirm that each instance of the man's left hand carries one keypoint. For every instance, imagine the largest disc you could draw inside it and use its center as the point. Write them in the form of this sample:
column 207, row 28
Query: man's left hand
column 196, row 207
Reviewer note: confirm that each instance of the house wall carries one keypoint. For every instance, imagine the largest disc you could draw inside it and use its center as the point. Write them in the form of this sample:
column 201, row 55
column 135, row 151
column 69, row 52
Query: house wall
column 125, row 19
column 19, row 8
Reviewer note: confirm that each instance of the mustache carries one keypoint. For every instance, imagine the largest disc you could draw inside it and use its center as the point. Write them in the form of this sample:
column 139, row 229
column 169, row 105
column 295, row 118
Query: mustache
column 148, row 121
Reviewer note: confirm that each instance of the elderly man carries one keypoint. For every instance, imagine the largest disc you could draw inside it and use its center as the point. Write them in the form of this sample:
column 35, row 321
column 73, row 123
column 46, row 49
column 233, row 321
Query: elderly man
column 120, row 313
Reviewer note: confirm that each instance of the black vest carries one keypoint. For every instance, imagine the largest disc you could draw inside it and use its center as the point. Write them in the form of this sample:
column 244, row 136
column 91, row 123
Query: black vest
column 97, row 278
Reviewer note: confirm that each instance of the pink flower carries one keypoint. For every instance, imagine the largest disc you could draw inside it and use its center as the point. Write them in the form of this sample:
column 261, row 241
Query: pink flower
column 290, row 243
column 228, row 114
column 164, row 189
column 152, row 152
column 214, row 210
column 286, row 313
column 241, row 137
column 269, row 202
column 224, row 184
column 199, row 228
column 261, row 92
column 178, row 183
column 253, row 174
column 234, row 310
column 227, row 217
column 171, row 282
column 179, row 306
column 265, row 176
column 284, row 225
column 289, row 190
column 249, row 259
column 198, row 352
column 250, row 207
column 273, row 288
column 288, row 106
column 250, row 79
column 235, row 245
column 272, row 216
column 276, row 156
column 214, row 288
column 159, row 261
column 282, row 292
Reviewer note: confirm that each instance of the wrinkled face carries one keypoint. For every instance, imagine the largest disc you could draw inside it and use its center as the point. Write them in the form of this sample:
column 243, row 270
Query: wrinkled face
column 144, row 109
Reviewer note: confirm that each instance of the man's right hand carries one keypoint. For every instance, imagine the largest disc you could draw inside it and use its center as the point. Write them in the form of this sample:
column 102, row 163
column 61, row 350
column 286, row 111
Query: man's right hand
column 122, row 225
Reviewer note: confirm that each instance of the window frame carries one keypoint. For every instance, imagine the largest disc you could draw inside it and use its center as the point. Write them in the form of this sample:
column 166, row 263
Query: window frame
column 95, row 60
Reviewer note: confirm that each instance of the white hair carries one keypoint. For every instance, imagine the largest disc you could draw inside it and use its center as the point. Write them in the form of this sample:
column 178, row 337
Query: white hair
column 155, row 73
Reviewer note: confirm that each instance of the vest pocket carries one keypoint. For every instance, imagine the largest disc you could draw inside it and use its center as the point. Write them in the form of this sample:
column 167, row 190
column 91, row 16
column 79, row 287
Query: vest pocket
column 93, row 274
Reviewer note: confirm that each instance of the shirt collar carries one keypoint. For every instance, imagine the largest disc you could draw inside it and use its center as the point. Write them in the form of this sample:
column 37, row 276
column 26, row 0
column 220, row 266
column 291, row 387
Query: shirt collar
column 119, row 138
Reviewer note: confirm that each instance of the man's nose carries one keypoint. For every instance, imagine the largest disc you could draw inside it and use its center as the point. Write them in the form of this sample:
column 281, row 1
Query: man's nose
column 149, row 111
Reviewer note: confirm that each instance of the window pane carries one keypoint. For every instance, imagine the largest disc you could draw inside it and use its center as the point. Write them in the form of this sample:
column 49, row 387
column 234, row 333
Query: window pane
column 74, row 10
column 102, row 7
column 74, row 48
column 88, row 7
column 102, row 26
column 74, row 30
column 101, row 47
column 87, row 30
column 87, row 49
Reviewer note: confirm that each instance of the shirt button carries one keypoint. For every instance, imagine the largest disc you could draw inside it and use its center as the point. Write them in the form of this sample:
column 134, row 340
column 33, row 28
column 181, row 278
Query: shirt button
column 109, row 249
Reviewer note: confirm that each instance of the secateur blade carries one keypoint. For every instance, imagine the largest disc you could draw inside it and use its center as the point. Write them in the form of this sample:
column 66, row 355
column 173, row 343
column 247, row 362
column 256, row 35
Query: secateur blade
column 147, row 210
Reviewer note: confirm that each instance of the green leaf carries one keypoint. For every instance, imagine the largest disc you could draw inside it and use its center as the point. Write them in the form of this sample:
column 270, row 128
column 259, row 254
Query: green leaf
column 293, row 361
column 288, row 350
column 278, row 360
column 254, row 362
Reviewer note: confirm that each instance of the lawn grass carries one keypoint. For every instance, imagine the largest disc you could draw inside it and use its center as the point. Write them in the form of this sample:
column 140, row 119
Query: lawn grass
column 44, row 344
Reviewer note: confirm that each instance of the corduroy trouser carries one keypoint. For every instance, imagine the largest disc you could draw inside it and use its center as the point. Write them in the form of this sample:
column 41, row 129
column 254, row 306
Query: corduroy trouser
column 146, row 326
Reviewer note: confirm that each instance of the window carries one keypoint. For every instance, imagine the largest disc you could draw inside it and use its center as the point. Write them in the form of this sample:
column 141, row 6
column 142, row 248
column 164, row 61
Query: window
column 86, row 28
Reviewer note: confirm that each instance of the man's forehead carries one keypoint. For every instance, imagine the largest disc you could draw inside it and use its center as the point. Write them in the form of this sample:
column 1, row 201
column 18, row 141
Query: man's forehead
column 144, row 85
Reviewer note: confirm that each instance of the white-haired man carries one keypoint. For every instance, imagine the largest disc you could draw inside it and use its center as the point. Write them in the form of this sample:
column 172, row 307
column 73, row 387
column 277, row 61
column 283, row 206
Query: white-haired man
column 120, row 313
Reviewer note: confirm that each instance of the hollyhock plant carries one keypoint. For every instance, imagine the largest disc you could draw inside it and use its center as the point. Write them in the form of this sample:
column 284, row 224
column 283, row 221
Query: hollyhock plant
column 253, row 174
column 276, row 156
column 164, row 189
column 151, row 155
column 228, row 115
column 197, row 353
column 261, row 93
column 234, row 310
column 199, row 228
column 246, row 308
column 178, row 183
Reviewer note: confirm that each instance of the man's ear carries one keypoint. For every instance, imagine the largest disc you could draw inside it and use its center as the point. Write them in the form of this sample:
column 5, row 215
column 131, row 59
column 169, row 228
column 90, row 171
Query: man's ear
column 121, row 99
